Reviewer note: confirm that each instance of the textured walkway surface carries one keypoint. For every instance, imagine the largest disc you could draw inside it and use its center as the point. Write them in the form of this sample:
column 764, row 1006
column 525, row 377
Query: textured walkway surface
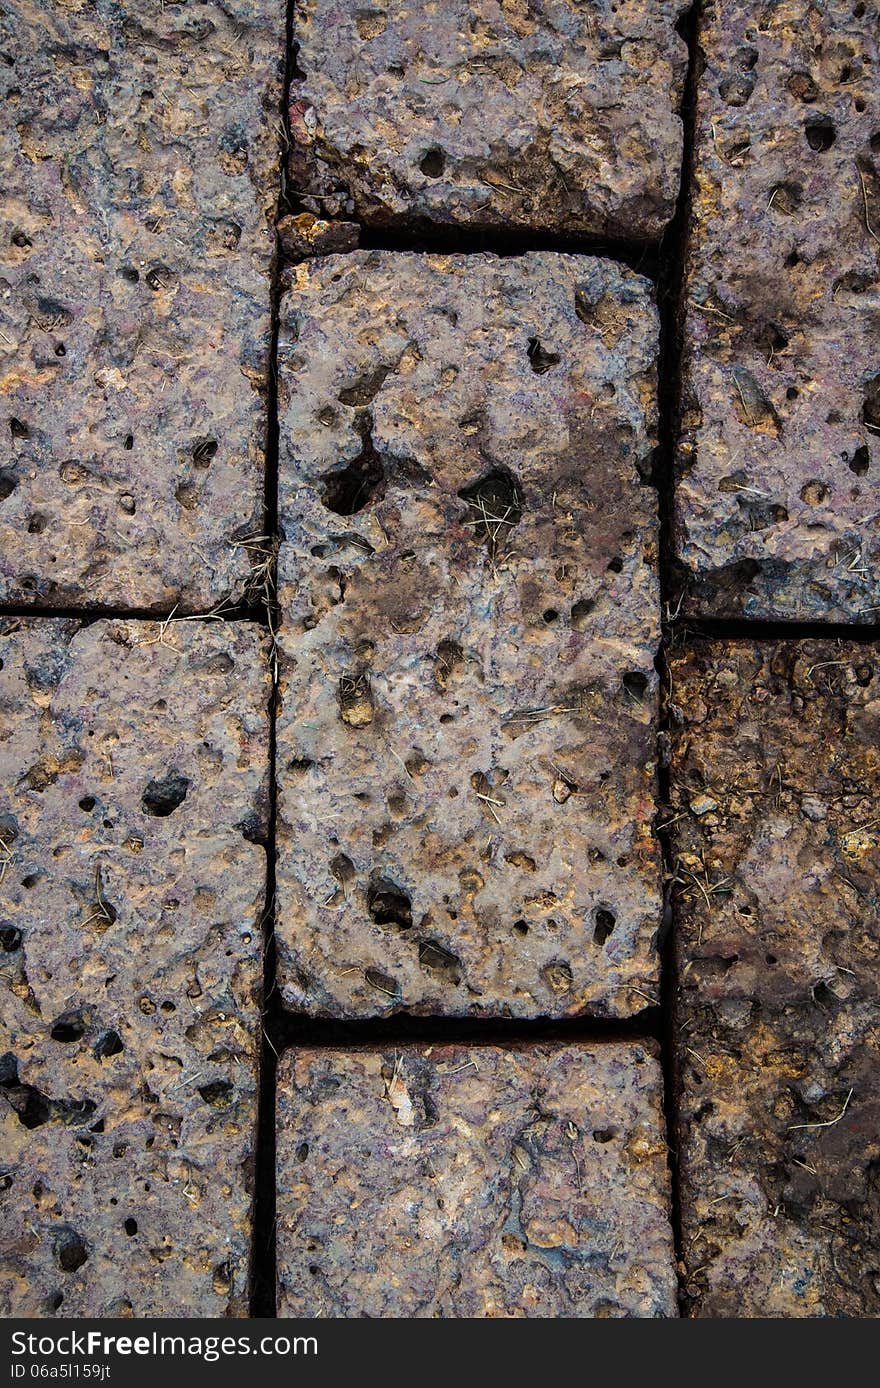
column 439, row 712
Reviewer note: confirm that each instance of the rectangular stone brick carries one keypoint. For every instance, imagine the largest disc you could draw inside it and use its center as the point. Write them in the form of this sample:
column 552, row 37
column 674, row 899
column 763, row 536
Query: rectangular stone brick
column 776, row 777
column 140, row 157
column 776, row 510
column 557, row 116
column 134, row 764
column 468, row 587
column 473, row 1181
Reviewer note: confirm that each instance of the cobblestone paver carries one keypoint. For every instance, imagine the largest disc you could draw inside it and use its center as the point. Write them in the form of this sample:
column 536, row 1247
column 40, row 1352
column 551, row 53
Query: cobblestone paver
column 468, row 593
column 140, row 176
column 776, row 774
column 474, row 1181
column 776, row 506
column 558, row 116
column 134, row 764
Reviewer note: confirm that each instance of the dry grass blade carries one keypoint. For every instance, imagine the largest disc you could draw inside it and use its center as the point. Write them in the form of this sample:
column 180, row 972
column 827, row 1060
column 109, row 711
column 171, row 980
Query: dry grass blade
column 830, row 1122
column 538, row 715
column 7, row 857
column 869, row 229
column 489, row 526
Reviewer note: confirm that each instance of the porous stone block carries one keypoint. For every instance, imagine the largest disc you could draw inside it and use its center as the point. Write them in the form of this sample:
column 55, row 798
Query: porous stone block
column 775, row 776
column 557, row 116
column 473, row 1182
column 777, row 512
column 133, row 762
column 140, row 154
column 468, row 590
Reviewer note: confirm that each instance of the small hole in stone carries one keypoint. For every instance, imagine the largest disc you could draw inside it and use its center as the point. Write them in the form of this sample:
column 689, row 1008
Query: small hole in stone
column 128, row 441
column 108, row 1045
column 860, row 461
column 87, row 803
column 635, row 683
column 68, row 1028
column 871, row 407
column 603, row 1134
column 495, row 506
column 159, row 277
column 71, row 1251
column 382, row 982
column 433, row 163
column 60, row 349
column 130, row 1227
column 520, row 927
column 348, row 490
column 302, row 1151
column 580, row 612
column 541, row 360
column 786, row 198
column 18, row 429
column 605, row 923
column 814, row 493
column 615, row 566
column 388, row 904
column 203, row 451
column 802, row 87
column 439, row 962
column 162, row 796
column 550, row 615
column 820, row 133
column 10, row 939
column 771, row 339
column 218, row 1093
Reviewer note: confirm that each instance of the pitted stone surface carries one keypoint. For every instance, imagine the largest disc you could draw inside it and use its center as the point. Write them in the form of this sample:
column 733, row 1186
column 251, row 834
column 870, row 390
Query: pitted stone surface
column 470, row 616
column 473, row 1181
column 776, row 775
column 777, row 508
column 556, row 115
column 140, row 159
column 779, row 1167
column 134, row 773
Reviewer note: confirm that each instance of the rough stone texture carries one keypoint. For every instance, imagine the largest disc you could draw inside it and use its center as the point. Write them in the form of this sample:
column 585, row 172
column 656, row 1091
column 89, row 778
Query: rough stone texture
column 776, row 776
column 777, row 510
column 304, row 235
column 470, row 616
column 130, row 964
column 140, row 162
column 553, row 115
column 473, row 1182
